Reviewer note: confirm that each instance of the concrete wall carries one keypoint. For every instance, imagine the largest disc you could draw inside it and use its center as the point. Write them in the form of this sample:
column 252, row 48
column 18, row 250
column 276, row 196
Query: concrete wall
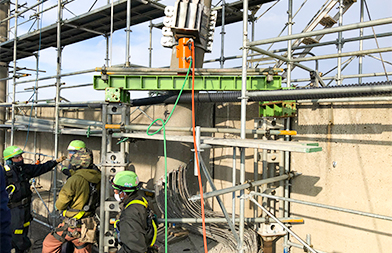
column 351, row 172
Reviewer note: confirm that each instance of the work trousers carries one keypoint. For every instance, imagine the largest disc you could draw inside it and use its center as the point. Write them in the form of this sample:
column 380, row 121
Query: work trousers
column 20, row 223
column 52, row 244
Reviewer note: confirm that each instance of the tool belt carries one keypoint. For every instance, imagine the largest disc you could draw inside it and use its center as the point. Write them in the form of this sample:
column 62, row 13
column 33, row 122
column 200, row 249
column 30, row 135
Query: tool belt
column 23, row 202
column 72, row 222
column 87, row 234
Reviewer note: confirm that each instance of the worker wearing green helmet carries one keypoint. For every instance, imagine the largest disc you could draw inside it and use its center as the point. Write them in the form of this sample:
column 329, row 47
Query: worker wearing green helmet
column 18, row 175
column 136, row 219
column 77, row 202
column 73, row 146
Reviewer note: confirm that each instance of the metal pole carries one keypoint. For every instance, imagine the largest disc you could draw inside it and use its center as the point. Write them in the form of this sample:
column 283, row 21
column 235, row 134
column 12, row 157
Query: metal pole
column 202, row 129
column 222, row 206
column 222, row 58
column 150, row 48
column 223, row 220
column 107, row 50
column 62, row 75
column 255, row 167
column 234, row 177
column 286, row 154
column 284, row 226
column 14, row 74
column 21, row 12
column 360, row 60
column 377, row 22
column 127, row 54
column 243, row 120
column 103, row 182
column 111, row 33
column 354, row 53
column 58, row 82
column 345, row 76
column 377, row 216
column 244, row 186
column 340, row 45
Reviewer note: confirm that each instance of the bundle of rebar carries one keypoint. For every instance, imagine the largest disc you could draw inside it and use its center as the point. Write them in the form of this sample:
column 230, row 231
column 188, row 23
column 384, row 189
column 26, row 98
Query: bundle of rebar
column 179, row 206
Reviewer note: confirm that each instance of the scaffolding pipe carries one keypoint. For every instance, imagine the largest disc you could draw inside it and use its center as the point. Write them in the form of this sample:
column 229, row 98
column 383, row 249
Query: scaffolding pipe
column 202, row 129
column 150, row 47
column 128, row 30
column 222, row 206
column 376, row 216
column 299, row 246
column 244, row 186
column 376, row 22
column 340, row 45
column 360, row 60
column 283, row 226
column 21, row 12
column 234, row 178
column 345, row 100
column 223, row 220
column 244, row 100
column 222, row 57
column 14, row 74
column 58, row 83
column 102, row 229
column 286, row 154
column 55, row 76
column 344, row 76
column 326, row 43
column 255, row 165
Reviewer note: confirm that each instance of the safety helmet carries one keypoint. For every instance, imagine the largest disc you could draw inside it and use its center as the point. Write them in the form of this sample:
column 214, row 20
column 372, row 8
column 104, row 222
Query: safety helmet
column 126, row 181
column 82, row 159
column 76, row 145
column 11, row 152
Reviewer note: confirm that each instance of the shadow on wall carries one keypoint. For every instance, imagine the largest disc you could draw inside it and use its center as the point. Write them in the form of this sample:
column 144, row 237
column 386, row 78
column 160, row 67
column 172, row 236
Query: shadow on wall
column 372, row 231
column 305, row 185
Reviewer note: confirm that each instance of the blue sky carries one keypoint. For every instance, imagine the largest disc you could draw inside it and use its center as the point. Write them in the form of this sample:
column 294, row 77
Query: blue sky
column 91, row 53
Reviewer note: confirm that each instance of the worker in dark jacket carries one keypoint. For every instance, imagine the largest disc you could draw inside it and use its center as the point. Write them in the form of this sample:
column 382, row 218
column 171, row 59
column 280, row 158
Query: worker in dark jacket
column 5, row 217
column 18, row 175
column 135, row 232
column 77, row 201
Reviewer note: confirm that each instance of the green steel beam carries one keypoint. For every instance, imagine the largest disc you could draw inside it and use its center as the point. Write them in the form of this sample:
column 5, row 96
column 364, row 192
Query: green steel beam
column 202, row 83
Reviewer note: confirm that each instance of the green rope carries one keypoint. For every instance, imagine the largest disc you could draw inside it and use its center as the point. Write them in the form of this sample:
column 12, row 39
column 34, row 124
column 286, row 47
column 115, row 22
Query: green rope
column 122, row 140
column 164, row 145
column 88, row 132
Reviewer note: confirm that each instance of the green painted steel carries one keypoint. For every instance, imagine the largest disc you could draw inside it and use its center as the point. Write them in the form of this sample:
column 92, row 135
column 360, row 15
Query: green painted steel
column 117, row 95
column 279, row 109
column 202, row 83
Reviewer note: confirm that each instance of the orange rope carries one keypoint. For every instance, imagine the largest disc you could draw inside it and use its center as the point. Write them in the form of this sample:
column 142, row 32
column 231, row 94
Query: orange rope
column 195, row 147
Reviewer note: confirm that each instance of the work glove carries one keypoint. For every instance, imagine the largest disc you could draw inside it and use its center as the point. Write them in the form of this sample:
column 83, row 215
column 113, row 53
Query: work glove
column 60, row 159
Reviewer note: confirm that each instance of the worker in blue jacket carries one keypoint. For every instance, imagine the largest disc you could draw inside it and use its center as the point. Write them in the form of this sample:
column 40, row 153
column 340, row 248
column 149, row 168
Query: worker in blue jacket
column 5, row 217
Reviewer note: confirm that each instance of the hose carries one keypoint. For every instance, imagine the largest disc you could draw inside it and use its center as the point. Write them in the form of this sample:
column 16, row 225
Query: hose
column 164, row 147
column 195, row 147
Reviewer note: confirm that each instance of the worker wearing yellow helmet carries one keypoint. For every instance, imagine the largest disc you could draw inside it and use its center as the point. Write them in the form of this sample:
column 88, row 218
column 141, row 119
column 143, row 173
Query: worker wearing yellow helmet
column 18, row 175
column 136, row 224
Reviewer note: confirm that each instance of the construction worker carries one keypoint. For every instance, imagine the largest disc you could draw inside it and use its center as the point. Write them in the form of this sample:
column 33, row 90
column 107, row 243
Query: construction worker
column 18, row 175
column 72, row 148
column 5, row 217
column 136, row 228
column 77, row 202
